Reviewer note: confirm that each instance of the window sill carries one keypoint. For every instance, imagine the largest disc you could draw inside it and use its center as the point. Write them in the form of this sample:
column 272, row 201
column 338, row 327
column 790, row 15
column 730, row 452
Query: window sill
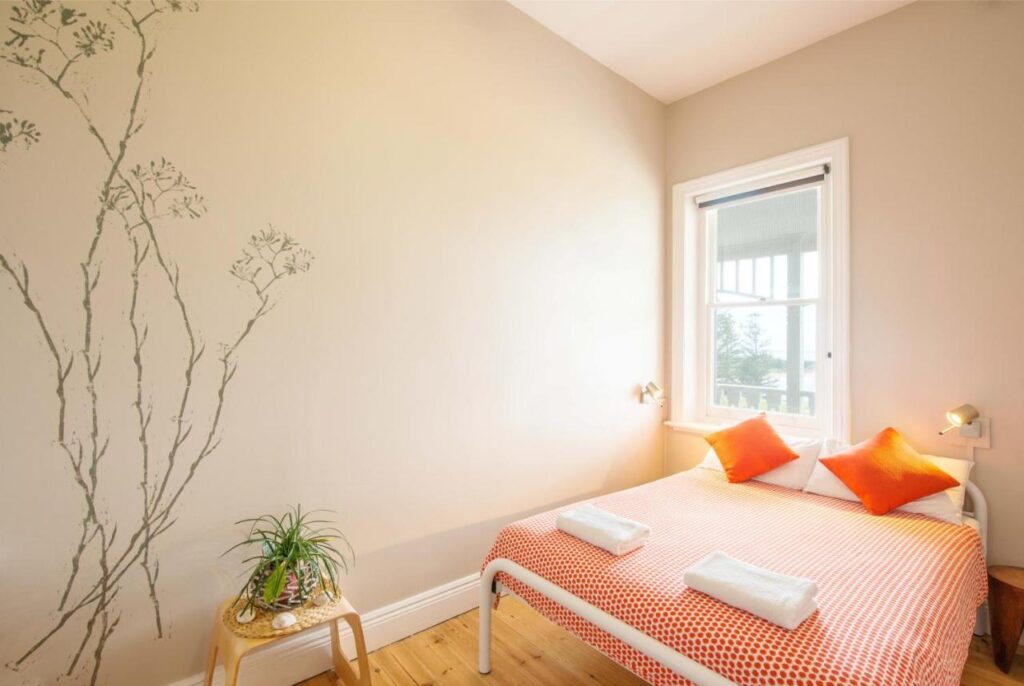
column 705, row 428
column 697, row 428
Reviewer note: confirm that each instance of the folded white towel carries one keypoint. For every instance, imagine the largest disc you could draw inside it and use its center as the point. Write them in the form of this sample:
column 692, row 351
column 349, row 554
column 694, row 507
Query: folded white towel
column 780, row 599
column 615, row 534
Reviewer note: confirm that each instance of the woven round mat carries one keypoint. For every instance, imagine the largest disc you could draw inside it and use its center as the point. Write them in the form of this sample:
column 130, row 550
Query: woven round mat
column 262, row 626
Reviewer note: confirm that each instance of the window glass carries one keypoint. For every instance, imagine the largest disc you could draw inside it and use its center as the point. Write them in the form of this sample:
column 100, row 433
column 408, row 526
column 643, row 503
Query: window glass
column 765, row 358
column 764, row 352
column 758, row 239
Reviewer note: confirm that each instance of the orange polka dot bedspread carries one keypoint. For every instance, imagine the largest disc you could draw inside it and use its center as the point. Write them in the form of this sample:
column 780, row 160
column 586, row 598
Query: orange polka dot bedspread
column 897, row 594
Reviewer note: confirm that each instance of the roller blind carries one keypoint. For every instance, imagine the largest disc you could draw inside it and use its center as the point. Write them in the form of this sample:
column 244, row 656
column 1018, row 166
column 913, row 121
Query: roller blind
column 802, row 177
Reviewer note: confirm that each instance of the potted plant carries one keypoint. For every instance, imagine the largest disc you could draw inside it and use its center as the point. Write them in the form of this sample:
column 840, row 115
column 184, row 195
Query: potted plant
column 298, row 560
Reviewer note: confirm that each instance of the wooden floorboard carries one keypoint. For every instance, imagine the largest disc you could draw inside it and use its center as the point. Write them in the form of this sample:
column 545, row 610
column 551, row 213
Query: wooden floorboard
column 527, row 649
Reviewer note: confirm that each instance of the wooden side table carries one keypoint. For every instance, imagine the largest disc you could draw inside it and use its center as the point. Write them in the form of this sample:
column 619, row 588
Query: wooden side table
column 234, row 647
column 1006, row 601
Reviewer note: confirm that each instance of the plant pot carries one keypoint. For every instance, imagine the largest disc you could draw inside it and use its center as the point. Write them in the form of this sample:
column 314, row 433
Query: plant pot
column 293, row 594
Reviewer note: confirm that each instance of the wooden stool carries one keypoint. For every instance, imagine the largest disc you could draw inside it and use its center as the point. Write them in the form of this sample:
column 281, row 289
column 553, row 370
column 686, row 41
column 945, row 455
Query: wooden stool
column 234, row 647
column 1006, row 600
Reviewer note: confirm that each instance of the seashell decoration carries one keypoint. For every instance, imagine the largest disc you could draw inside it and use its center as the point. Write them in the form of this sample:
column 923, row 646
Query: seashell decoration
column 246, row 615
column 283, row 620
column 321, row 599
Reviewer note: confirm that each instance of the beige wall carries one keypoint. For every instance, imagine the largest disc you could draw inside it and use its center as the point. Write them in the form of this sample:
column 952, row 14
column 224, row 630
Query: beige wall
column 486, row 208
column 931, row 97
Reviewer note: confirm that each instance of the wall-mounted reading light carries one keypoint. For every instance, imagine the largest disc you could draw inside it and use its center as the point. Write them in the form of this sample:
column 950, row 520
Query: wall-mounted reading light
column 963, row 418
column 652, row 394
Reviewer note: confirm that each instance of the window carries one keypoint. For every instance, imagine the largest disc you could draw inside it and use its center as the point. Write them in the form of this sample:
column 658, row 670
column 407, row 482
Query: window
column 759, row 314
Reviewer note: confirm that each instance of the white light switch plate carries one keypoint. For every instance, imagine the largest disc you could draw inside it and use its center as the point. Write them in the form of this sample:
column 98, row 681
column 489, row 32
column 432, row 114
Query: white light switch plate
column 983, row 441
column 972, row 430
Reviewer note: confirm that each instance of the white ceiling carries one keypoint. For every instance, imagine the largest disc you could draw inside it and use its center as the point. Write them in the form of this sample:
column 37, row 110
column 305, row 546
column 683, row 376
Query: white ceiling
column 672, row 48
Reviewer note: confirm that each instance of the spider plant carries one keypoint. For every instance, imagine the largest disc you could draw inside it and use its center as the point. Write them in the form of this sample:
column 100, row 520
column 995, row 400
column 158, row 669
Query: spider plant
column 296, row 556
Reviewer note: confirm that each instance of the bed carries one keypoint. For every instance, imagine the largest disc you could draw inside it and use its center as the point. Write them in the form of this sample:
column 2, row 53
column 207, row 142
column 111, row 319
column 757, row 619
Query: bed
column 898, row 600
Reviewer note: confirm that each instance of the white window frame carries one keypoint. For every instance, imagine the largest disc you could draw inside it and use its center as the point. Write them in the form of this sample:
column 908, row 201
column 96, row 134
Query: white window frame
column 689, row 360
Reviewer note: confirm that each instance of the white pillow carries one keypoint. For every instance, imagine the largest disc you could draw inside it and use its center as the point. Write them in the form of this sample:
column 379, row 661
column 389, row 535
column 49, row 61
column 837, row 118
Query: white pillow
column 793, row 474
column 947, row 506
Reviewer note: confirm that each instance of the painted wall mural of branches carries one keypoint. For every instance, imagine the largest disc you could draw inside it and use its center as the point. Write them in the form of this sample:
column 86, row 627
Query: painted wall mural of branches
column 53, row 43
column 14, row 130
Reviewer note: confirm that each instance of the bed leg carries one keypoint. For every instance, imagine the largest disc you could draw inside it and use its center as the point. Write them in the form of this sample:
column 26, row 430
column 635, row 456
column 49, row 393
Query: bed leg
column 981, row 625
column 486, row 607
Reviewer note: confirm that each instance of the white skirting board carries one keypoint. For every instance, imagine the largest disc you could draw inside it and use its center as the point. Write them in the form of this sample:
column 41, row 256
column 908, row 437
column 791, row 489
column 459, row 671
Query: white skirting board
column 309, row 653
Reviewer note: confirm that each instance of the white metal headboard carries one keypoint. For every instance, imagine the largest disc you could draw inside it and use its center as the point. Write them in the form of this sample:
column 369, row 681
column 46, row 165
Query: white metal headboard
column 979, row 512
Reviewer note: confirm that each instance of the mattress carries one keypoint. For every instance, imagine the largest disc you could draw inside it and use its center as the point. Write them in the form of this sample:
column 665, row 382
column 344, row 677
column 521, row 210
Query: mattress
column 896, row 607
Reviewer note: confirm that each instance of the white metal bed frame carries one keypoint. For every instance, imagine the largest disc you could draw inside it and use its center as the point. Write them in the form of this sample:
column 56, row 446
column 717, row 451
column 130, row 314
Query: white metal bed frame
column 633, row 637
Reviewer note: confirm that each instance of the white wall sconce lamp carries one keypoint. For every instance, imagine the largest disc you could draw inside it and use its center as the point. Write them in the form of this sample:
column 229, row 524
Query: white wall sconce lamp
column 651, row 394
column 963, row 418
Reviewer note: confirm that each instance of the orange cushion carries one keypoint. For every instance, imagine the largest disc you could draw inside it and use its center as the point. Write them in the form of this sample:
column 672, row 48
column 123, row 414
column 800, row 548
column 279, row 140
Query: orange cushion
column 885, row 472
column 750, row 449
